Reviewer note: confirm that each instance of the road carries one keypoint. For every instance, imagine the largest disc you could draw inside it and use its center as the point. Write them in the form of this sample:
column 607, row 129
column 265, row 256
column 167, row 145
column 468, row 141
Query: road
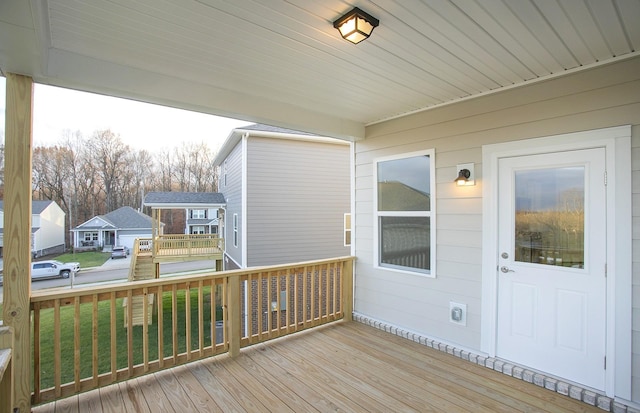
column 115, row 270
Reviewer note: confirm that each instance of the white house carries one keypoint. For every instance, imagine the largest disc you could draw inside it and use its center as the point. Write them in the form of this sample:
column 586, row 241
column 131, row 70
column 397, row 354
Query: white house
column 47, row 228
column 120, row 227
column 286, row 193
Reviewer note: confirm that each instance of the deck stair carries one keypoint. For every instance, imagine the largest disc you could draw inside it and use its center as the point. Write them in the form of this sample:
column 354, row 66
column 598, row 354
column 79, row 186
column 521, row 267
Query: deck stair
column 141, row 268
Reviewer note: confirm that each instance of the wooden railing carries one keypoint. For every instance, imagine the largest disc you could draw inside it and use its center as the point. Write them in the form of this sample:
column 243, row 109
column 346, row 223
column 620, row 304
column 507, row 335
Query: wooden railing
column 188, row 244
column 142, row 245
column 6, row 369
column 80, row 342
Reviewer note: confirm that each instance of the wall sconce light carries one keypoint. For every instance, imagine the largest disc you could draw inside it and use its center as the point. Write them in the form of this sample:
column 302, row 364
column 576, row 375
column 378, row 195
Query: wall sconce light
column 356, row 25
column 466, row 176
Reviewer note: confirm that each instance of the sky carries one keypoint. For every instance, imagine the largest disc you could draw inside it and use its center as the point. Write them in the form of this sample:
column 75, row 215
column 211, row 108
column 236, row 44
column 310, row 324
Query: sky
column 140, row 125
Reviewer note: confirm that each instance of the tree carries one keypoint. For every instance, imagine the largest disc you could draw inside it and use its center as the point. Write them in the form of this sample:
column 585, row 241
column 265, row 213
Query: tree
column 111, row 157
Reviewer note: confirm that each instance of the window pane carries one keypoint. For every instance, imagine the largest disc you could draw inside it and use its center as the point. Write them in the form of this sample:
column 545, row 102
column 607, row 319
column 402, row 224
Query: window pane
column 549, row 218
column 404, row 184
column 405, row 242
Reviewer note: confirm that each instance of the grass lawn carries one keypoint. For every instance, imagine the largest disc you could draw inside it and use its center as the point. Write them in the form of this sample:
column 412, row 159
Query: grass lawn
column 103, row 332
column 86, row 259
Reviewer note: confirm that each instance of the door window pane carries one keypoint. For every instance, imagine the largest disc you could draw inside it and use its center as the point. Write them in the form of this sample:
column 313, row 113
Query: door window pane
column 549, row 218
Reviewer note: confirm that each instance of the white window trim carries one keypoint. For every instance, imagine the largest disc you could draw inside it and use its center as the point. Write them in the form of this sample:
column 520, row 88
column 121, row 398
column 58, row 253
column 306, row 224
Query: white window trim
column 235, row 230
column 224, row 173
column 193, row 215
column 431, row 214
column 347, row 230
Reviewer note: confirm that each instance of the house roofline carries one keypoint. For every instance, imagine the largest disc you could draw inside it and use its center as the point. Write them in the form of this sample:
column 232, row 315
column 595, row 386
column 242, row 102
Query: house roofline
column 236, row 135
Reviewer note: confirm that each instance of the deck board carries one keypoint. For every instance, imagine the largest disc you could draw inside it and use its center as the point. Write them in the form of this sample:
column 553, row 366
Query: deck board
column 345, row 366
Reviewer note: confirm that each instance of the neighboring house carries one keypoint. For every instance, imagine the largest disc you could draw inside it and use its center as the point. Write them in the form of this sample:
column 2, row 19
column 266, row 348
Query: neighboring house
column 201, row 208
column 47, row 228
column 120, row 227
column 287, row 193
column 201, row 220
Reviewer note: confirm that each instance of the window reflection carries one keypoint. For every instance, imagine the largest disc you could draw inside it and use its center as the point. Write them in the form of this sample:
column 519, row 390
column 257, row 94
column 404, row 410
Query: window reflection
column 549, row 216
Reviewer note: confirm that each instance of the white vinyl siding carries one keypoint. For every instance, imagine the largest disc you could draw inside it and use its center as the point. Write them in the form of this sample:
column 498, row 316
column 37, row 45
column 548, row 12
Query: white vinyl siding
column 233, row 195
column 297, row 195
column 602, row 97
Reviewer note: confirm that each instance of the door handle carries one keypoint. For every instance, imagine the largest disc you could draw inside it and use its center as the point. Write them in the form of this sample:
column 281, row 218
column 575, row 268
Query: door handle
column 505, row 269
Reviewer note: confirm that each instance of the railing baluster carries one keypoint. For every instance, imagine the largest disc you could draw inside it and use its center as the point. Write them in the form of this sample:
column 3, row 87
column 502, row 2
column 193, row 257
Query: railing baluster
column 225, row 313
column 187, row 318
column 174, row 322
column 200, row 319
column 129, row 330
column 212, row 310
column 278, row 297
column 287, row 313
column 305, row 297
column 57, row 371
column 314, row 293
column 334, row 291
column 37, row 368
column 76, row 343
column 94, row 340
column 114, row 347
column 145, row 328
column 159, row 305
column 260, row 310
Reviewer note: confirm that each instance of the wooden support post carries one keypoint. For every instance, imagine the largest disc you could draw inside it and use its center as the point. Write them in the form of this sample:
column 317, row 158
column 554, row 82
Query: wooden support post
column 347, row 290
column 17, row 230
column 7, row 376
column 233, row 319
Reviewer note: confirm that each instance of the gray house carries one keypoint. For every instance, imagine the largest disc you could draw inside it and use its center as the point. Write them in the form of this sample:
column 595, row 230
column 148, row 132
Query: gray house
column 120, row 227
column 47, row 228
column 287, row 196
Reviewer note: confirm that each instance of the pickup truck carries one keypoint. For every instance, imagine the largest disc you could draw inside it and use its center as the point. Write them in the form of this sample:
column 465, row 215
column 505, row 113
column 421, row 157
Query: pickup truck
column 41, row 270
column 52, row 269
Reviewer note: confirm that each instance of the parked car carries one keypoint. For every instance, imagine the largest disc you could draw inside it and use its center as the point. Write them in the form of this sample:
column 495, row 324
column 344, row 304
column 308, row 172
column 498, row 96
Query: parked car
column 52, row 269
column 41, row 270
column 119, row 252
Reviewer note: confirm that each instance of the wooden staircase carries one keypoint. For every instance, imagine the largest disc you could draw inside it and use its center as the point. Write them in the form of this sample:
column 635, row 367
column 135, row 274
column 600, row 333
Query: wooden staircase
column 141, row 268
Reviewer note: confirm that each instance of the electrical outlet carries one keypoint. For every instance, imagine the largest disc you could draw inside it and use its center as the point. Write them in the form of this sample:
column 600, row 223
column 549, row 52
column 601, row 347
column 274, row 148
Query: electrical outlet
column 458, row 313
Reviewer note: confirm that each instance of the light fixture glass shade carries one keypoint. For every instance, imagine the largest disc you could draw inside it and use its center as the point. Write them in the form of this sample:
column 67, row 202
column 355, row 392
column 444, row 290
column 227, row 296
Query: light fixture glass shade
column 356, row 25
column 463, row 177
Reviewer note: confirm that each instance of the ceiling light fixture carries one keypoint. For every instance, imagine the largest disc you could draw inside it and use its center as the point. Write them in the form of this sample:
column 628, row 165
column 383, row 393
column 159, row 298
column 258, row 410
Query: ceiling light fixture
column 356, row 25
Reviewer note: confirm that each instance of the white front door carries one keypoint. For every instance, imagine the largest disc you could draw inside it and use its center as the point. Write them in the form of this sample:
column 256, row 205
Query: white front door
column 552, row 263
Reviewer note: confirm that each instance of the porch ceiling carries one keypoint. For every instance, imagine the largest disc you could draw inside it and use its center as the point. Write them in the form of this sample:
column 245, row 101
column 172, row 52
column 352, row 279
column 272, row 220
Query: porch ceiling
column 283, row 63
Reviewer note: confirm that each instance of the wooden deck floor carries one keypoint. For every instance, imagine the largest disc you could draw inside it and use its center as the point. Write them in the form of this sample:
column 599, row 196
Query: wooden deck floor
column 340, row 367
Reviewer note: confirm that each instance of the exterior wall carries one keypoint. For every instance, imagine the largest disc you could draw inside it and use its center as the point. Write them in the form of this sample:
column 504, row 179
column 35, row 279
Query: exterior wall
column 602, row 97
column 297, row 195
column 232, row 192
column 50, row 236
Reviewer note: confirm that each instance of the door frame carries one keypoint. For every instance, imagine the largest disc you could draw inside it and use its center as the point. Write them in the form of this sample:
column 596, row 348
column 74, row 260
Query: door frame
column 617, row 144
